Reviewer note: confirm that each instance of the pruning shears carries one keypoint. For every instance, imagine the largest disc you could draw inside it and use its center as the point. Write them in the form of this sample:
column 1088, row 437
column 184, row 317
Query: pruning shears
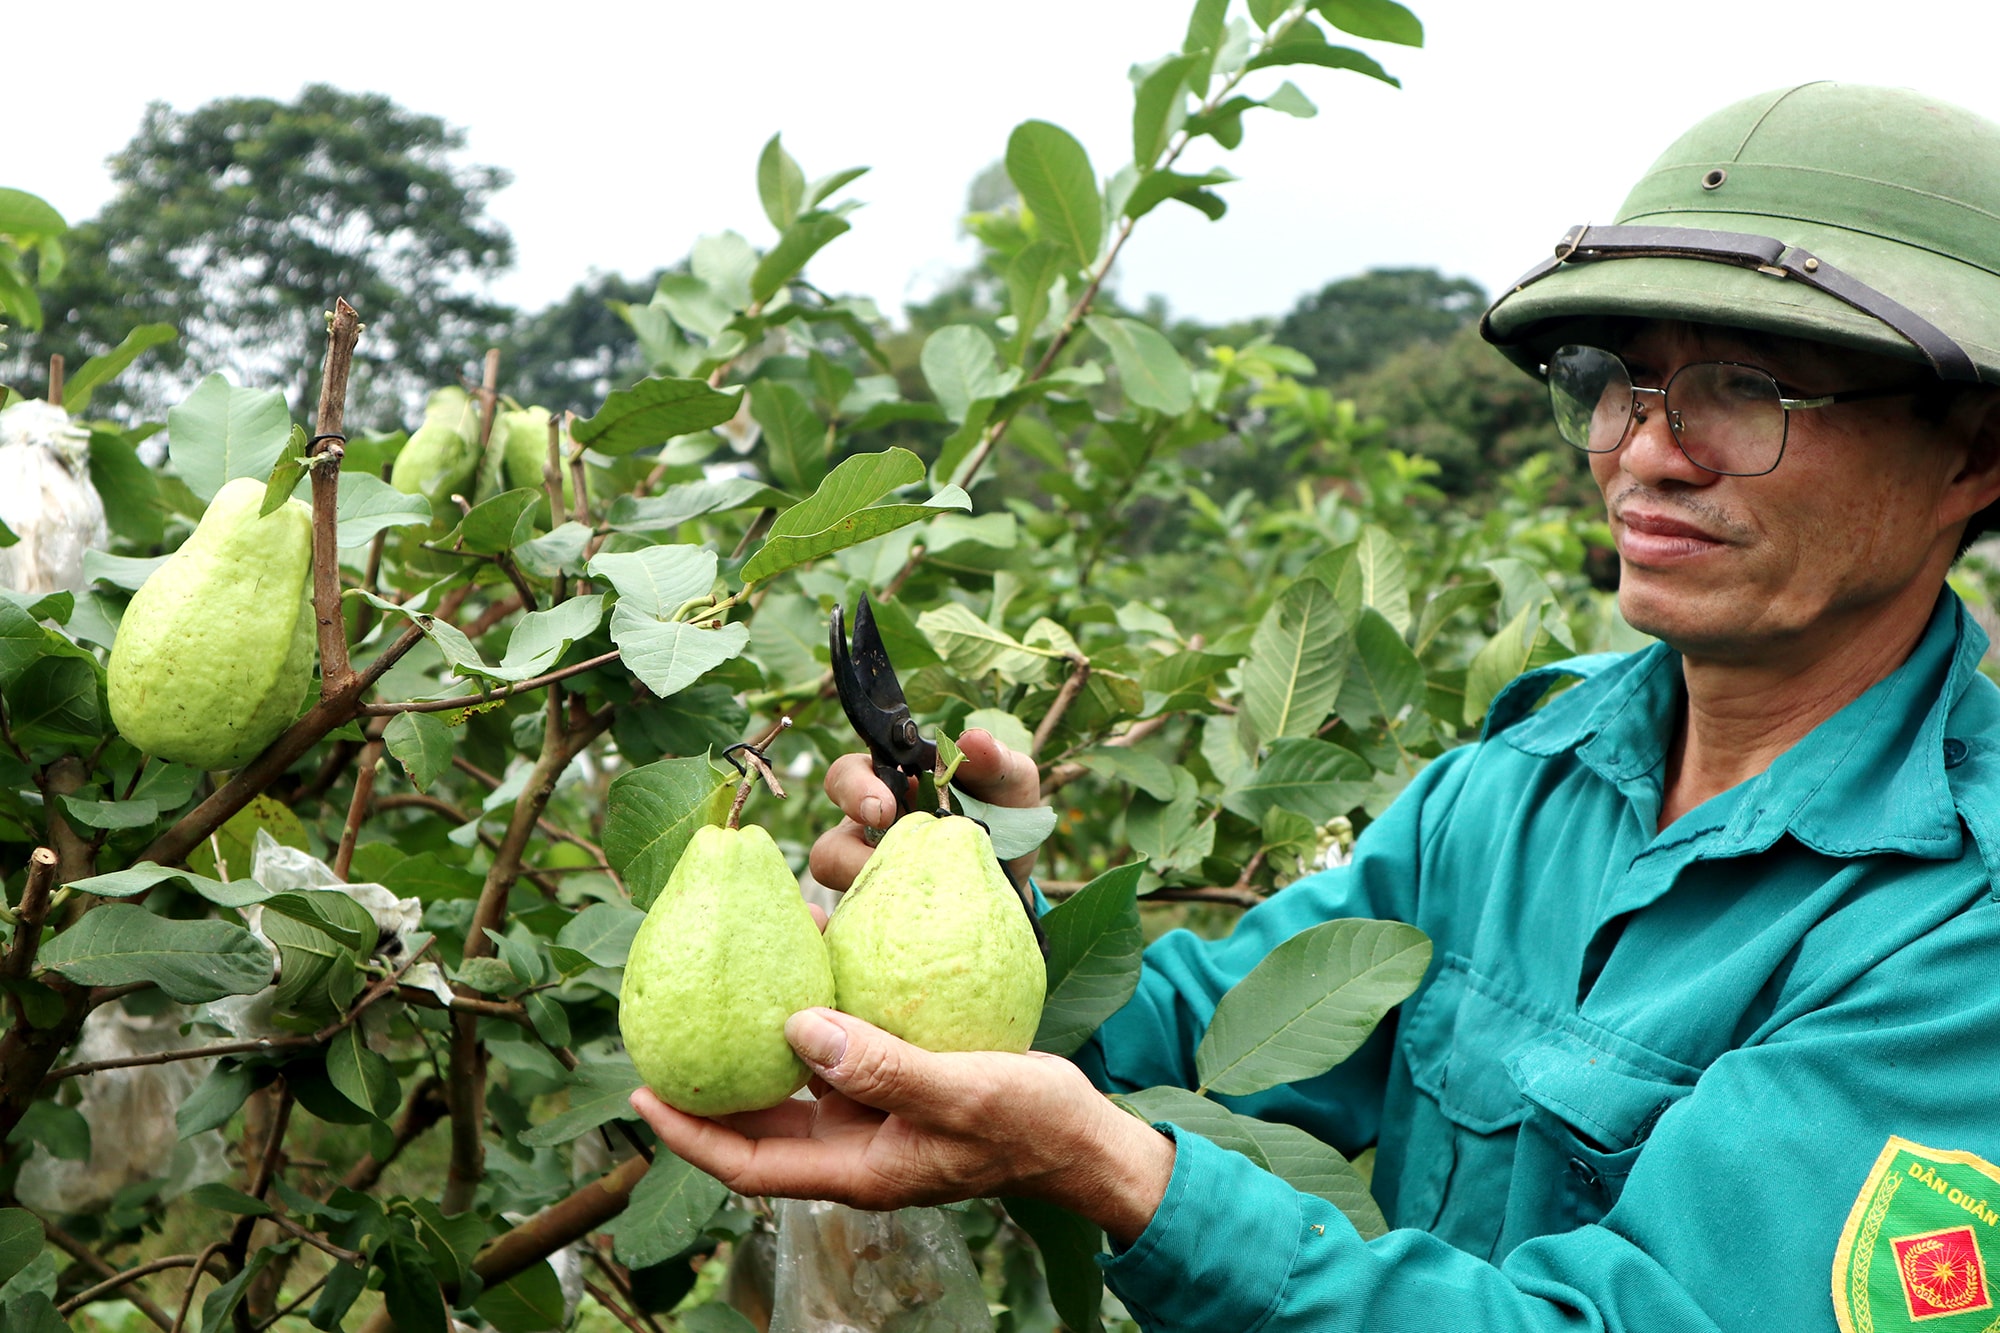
column 872, row 698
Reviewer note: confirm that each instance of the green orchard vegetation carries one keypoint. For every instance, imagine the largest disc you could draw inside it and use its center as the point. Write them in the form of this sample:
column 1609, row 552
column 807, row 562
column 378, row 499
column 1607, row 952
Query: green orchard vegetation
column 383, row 913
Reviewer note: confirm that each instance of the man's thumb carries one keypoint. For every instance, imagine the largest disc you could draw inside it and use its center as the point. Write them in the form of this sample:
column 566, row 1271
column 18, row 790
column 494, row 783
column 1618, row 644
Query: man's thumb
column 858, row 1059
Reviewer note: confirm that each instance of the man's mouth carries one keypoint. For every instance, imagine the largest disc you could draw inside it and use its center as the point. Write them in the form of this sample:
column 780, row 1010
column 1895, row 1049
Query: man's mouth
column 1652, row 537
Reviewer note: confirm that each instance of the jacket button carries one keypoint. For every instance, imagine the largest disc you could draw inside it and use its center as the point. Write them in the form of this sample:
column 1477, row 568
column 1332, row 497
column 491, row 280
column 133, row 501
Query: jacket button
column 1585, row 1173
column 1955, row 751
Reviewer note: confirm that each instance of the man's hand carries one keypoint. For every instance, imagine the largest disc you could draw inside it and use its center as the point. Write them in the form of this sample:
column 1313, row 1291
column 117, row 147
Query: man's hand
column 896, row 1126
column 991, row 772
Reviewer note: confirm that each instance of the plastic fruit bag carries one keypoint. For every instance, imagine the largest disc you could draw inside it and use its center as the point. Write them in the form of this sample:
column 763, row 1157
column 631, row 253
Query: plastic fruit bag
column 841, row 1270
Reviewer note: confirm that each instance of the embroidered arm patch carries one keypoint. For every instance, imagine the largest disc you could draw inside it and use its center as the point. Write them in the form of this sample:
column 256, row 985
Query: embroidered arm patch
column 1920, row 1245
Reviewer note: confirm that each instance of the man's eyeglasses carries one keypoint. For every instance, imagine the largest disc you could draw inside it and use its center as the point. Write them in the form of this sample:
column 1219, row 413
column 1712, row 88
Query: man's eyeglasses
column 1727, row 418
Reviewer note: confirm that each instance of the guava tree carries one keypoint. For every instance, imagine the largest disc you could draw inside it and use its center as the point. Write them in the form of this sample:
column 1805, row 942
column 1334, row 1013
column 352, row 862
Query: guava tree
column 383, row 953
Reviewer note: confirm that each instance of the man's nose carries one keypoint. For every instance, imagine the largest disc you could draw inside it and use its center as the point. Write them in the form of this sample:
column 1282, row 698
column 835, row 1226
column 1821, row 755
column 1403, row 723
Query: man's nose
column 1650, row 452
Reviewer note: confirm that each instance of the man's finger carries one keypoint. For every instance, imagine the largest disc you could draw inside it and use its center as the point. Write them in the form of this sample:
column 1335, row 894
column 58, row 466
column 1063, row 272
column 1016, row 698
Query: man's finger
column 838, row 855
column 790, row 1167
column 852, row 786
column 873, row 1067
column 996, row 774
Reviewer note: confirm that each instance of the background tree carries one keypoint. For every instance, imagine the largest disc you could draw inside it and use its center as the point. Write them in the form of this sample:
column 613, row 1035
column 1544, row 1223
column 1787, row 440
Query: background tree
column 573, row 352
column 235, row 220
column 1354, row 323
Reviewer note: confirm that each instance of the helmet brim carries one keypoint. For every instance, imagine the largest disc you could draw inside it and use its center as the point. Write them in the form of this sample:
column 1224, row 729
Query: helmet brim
column 1529, row 322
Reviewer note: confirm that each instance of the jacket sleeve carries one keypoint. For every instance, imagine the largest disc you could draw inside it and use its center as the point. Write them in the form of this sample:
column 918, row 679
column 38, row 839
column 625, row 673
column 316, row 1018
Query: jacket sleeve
column 1152, row 1040
column 1729, row 1219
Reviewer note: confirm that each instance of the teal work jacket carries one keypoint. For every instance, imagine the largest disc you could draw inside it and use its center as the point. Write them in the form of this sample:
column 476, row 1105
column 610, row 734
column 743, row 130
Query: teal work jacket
column 1648, row 1073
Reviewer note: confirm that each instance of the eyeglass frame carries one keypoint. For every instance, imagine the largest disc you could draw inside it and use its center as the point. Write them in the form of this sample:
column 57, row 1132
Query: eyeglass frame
column 1674, row 422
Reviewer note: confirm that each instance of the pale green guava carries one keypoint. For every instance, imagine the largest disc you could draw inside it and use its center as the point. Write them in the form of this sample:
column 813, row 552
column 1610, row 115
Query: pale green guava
column 215, row 651
column 442, row 455
column 931, row 942
column 727, row 953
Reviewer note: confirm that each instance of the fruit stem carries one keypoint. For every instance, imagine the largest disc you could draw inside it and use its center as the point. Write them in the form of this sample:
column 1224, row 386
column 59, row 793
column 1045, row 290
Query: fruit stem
column 755, row 767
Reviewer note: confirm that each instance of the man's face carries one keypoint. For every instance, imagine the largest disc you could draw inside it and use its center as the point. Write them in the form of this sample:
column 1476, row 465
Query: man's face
column 1860, row 515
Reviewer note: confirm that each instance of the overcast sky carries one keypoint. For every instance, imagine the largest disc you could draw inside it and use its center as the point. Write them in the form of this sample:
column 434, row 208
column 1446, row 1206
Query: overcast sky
column 630, row 129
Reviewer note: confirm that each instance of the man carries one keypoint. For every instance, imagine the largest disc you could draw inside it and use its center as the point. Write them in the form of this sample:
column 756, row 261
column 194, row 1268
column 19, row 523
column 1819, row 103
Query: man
column 1711, row 1039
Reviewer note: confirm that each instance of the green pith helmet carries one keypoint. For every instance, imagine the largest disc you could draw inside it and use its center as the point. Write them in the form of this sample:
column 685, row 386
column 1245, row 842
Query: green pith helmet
column 1866, row 217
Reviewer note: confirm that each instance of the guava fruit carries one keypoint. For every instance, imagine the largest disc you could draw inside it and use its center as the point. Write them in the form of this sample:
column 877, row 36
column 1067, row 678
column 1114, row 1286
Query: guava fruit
column 216, row 649
column 442, row 456
column 525, row 437
column 727, row 953
column 931, row 942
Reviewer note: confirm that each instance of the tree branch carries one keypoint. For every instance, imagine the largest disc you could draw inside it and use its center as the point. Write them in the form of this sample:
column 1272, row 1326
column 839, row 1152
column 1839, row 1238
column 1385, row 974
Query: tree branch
column 117, row 1280
column 473, row 700
column 29, row 916
column 1062, row 774
column 96, row 1263
column 1064, row 698
column 324, row 458
column 357, row 808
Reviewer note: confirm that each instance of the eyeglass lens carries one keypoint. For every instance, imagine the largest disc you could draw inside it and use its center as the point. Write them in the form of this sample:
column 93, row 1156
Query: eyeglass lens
column 1726, row 418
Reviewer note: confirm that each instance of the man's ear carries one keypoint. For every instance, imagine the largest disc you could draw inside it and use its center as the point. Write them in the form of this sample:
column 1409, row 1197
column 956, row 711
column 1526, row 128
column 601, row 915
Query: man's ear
column 1976, row 419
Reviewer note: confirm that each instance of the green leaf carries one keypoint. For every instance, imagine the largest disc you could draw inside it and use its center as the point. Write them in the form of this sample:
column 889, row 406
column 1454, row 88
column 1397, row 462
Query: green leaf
column 422, row 744
column 715, row 1317
column 1309, row 1005
column 671, row 1204
column 838, row 515
column 192, row 961
column 1159, row 105
column 1191, row 1111
column 529, row 1302
column 669, row 656
column 1291, row 101
column 971, row 647
column 650, row 813
column 602, row 932
column 143, row 876
column 368, row 505
column 449, row 639
column 221, row 1304
column 1305, row 44
column 1298, row 658
column 1069, row 1246
column 59, row 1129
column 1384, row 677
column 28, row 218
column 687, row 501
column 781, row 186
column 330, row 911
column 215, row 1099
column 962, row 367
column 344, row 1285
column 227, row 1199
column 1504, row 657
column 221, row 432
column 1313, row 1167
column 599, row 1092
column 1193, row 191
column 1171, row 834
column 540, row 638
column 652, row 412
column 1094, row 945
column 59, row 701
column 949, row 757
column 1266, row 12
column 1151, row 371
column 1377, row 20
column 658, row 580
column 800, row 242
column 285, row 473
column 1030, row 276
column 308, row 960
column 794, row 434
column 103, row 368
column 1385, row 576
column 110, row 815
column 21, row 1240
column 409, row 1289
column 1053, row 175
column 361, row 1075
column 1316, row 778
column 1149, row 773
column 1015, row 831
column 547, row 1016
column 497, row 524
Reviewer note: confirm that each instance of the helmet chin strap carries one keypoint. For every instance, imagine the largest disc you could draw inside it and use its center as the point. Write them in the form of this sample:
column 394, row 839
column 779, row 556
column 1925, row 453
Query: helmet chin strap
column 1589, row 245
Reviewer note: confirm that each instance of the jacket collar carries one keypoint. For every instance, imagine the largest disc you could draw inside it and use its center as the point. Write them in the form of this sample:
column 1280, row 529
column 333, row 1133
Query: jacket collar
column 1870, row 779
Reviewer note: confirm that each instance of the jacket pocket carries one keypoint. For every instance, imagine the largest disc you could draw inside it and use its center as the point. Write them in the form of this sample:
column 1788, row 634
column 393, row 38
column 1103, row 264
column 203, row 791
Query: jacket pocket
column 1591, row 1110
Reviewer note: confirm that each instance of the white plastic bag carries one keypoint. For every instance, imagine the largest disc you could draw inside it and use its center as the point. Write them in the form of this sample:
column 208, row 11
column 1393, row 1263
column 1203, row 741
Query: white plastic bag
column 841, row 1270
column 46, row 499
